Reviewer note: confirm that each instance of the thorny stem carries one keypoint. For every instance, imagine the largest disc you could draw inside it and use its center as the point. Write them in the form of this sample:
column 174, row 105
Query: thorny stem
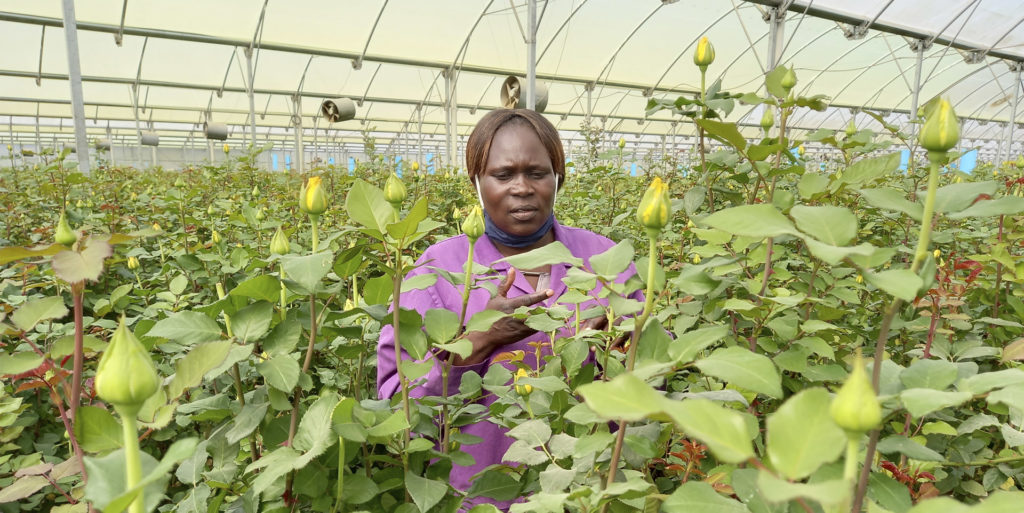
column 999, row 272
column 467, row 281
column 77, row 293
column 700, row 135
column 652, row 237
column 890, row 313
column 395, row 323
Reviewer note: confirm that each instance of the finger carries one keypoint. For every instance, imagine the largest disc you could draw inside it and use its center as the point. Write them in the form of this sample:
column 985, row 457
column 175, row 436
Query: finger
column 530, row 299
column 507, row 282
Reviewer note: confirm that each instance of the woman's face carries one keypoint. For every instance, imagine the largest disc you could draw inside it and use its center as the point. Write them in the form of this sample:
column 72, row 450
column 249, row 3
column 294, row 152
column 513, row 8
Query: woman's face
column 517, row 184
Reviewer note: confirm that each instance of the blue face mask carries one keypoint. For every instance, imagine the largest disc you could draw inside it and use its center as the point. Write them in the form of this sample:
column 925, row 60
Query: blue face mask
column 507, row 239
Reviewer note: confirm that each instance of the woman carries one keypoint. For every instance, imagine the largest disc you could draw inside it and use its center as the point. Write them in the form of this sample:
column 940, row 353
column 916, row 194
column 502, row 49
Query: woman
column 516, row 162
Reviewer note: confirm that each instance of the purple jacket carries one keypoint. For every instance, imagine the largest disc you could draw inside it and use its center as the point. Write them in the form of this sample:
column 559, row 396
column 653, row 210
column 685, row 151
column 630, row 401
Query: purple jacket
column 450, row 254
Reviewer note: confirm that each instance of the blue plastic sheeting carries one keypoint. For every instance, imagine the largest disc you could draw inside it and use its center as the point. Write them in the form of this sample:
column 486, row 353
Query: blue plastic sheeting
column 288, row 162
column 904, row 159
column 430, row 163
column 632, row 169
column 330, row 160
column 398, row 166
column 351, row 164
column 969, row 161
column 273, row 162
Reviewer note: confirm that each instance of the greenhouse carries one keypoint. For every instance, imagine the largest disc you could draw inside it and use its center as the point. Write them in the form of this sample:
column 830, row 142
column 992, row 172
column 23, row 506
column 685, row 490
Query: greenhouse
column 745, row 256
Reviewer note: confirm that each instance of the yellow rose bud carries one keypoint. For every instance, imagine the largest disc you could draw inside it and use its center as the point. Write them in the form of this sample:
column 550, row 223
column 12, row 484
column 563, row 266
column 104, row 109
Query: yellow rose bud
column 126, row 376
column 133, row 263
column 696, row 259
column 349, row 304
column 622, row 142
column 1020, row 161
column 313, row 199
column 800, row 150
column 415, row 166
column 279, row 244
column 860, row 278
column 655, row 207
column 789, row 79
column 156, row 226
column 227, row 149
column 10, row 148
column 941, row 129
column 704, row 55
column 473, row 226
column 767, row 119
column 394, row 190
column 995, row 172
column 522, row 390
column 855, row 407
column 937, row 253
column 215, row 236
column 64, row 234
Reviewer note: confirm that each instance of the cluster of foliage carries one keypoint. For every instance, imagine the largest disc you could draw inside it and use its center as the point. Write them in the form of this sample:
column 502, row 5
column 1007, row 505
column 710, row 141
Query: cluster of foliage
column 767, row 281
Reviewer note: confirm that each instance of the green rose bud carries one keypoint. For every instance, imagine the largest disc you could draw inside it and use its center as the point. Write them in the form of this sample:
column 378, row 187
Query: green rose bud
column 1020, row 162
column 767, row 119
column 394, row 190
column 312, row 198
column 622, row 142
column 215, row 236
column 473, row 226
column 255, row 191
column 855, row 408
column 260, row 214
column 209, row 210
column 64, row 234
column 126, row 376
column 279, row 244
column 941, row 129
column 851, row 128
column 788, row 80
column 704, row 55
column 179, row 182
column 655, row 207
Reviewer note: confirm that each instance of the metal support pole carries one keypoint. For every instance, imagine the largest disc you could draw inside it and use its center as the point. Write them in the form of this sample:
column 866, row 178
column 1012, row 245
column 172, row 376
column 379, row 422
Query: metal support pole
column 252, row 99
column 419, row 144
column 776, row 36
column 451, row 135
column 918, row 46
column 1013, row 110
column 590, row 105
column 300, row 153
column 531, row 55
column 75, row 78
column 209, row 145
column 153, row 155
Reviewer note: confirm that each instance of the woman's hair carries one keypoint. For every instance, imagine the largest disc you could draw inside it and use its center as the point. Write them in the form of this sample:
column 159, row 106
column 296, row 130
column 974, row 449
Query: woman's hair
column 478, row 147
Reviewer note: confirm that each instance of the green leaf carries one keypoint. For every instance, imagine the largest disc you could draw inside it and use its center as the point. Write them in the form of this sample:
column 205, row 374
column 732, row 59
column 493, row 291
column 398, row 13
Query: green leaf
column 922, row 401
column 22, row 488
column 33, row 311
column 1012, row 395
column 892, row 199
column 937, row 374
column 1000, row 502
column 958, row 196
column 314, row 434
column 391, row 425
column 986, row 381
column 522, row 452
column 426, row 493
column 556, row 479
column 377, row 290
column 836, row 226
column 106, row 491
column 694, row 496
column 246, row 421
column 187, row 328
column 82, row 265
column 939, row 505
column 625, row 397
column 305, row 272
column 482, row 320
column 97, row 430
column 869, row 169
column 900, row 283
column 802, row 436
column 1006, row 205
column 744, row 368
column 496, row 485
column 418, row 282
column 723, row 430
column 759, row 221
column 613, row 261
column 366, row 205
column 811, row 184
column 725, row 132
column 554, row 253
column 534, row 432
column 189, row 371
column 283, row 338
column 904, row 445
column 890, row 493
column 407, row 227
column 779, row 490
column 685, row 347
column 773, row 82
column 441, row 324
column 252, row 322
column 263, row 287
column 280, row 371
column 18, row 363
column 12, row 253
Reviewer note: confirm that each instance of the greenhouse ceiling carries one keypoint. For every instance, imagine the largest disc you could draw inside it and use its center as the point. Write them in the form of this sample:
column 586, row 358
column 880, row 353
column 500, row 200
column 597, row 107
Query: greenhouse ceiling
column 171, row 66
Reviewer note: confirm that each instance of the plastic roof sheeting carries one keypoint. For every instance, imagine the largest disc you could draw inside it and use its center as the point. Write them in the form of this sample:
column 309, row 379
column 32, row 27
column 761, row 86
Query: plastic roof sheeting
column 187, row 59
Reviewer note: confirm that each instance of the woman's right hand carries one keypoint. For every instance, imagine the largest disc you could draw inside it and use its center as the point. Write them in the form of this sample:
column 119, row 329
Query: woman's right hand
column 506, row 330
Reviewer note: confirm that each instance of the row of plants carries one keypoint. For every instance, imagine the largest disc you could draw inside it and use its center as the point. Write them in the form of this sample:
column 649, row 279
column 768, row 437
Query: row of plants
column 201, row 341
